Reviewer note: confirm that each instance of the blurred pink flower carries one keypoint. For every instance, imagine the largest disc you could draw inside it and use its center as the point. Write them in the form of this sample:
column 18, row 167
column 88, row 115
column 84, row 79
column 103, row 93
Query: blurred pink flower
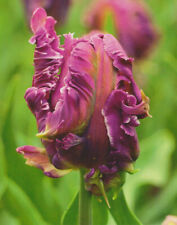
column 132, row 24
column 56, row 8
column 170, row 220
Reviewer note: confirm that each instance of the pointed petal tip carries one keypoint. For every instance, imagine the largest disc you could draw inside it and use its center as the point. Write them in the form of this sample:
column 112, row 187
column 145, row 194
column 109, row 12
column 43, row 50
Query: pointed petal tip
column 40, row 135
column 38, row 19
column 102, row 190
column 37, row 157
column 40, row 11
column 149, row 115
column 146, row 100
column 43, row 135
column 19, row 150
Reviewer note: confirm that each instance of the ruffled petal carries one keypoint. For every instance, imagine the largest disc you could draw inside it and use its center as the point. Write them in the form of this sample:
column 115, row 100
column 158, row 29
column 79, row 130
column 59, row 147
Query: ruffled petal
column 47, row 57
column 121, row 113
column 123, row 64
column 47, row 61
column 74, row 95
column 37, row 157
column 37, row 100
column 122, row 135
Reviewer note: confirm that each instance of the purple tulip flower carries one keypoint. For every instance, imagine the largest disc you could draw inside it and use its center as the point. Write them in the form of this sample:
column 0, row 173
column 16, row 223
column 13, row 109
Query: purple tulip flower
column 132, row 24
column 56, row 8
column 86, row 104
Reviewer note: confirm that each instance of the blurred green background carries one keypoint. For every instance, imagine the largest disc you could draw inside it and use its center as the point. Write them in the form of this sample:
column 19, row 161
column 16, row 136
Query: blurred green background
column 27, row 197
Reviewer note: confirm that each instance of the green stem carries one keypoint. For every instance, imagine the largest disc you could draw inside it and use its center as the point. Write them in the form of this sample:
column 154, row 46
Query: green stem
column 85, row 215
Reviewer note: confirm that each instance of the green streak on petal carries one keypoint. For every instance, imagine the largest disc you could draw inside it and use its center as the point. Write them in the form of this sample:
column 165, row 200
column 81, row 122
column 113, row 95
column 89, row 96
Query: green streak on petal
column 109, row 25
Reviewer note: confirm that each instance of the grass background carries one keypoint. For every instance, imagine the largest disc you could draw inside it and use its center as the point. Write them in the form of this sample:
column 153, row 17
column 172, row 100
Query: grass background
column 27, row 197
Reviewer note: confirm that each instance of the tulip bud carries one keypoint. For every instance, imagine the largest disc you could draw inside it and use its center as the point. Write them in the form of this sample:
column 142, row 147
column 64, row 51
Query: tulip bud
column 86, row 104
column 56, row 8
column 131, row 23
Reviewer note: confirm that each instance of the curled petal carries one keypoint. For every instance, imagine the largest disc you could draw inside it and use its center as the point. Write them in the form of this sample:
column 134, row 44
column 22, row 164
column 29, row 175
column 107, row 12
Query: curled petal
column 141, row 109
column 37, row 157
column 122, row 135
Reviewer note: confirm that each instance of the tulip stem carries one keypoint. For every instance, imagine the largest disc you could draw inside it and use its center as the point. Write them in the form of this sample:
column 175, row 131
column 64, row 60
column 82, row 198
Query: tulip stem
column 85, row 210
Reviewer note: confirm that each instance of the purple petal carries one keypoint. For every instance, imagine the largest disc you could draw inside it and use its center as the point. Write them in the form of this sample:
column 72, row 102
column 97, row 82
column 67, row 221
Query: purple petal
column 59, row 162
column 123, row 64
column 38, row 104
column 106, row 170
column 68, row 142
column 122, row 135
column 38, row 19
column 47, row 57
column 37, row 157
column 90, row 174
column 74, row 92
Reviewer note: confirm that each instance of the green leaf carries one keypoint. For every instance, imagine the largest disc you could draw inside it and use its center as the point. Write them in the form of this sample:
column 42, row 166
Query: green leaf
column 50, row 201
column 70, row 216
column 153, row 163
column 120, row 210
column 7, row 219
column 99, row 212
column 160, row 206
column 27, row 178
column 65, row 191
column 20, row 205
column 155, row 157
